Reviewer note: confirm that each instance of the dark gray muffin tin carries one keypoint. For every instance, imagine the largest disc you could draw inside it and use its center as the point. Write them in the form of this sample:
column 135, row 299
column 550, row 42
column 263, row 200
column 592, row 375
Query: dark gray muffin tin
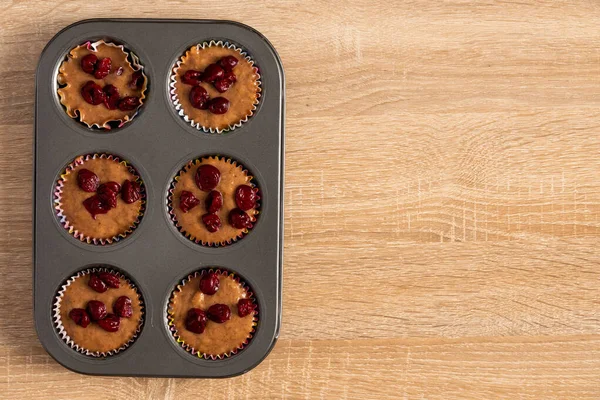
column 158, row 143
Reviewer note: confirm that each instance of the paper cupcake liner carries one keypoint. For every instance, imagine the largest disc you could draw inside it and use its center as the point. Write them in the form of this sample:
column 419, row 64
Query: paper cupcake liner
column 134, row 62
column 189, row 348
column 62, row 219
column 62, row 331
column 179, row 107
column 171, row 206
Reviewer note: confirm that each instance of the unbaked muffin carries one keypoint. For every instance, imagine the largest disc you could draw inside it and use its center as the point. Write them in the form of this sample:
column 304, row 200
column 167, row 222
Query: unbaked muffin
column 215, row 87
column 213, row 201
column 100, row 86
column 98, row 312
column 99, row 198
column 212, row 314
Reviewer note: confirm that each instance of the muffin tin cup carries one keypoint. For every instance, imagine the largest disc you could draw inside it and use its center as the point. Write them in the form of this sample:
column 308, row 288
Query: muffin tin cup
column 158, row 142
column 63, row 333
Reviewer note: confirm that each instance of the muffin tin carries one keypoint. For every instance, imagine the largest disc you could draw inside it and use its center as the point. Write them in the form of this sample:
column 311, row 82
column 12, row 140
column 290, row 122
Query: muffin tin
column 158, row 142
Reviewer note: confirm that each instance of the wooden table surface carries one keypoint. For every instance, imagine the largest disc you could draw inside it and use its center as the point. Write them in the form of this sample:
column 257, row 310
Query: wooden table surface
column 442, row 201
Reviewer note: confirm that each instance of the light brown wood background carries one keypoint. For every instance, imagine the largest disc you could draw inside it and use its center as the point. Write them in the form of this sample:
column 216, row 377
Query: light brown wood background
column 442, row 201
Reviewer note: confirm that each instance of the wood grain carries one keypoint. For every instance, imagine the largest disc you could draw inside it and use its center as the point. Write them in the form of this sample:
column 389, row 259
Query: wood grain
column 442, row 201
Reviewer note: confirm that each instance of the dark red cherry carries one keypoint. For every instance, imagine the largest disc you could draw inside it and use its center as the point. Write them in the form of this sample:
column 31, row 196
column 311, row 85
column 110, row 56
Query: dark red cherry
column 196, row 320
column 245, row 307
column 110, row 279
column 219, row 313
column 207, row 177
column 95, row 206
column 110, row 323
column 128, row 103
column 199, row 97
column 239, row 219
column 209, row 284
column 192, row 77
column 112, row 186
column 102, row 68
column 112, row 97
column 212, row 222
column 212, row 73
column 97, row 284
column 228, row 63
column 80, row 317
column 231, row 76
column 137, row 80
column 92, row 93
column 122, row 307
column 214, row 201
column 96, row 309
column 107, row 194
column 131, row 192
column 218, row 105
column 88, row 63
column 245, row 197
column 187, row 201
column 223, row 85
column 87, row 180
